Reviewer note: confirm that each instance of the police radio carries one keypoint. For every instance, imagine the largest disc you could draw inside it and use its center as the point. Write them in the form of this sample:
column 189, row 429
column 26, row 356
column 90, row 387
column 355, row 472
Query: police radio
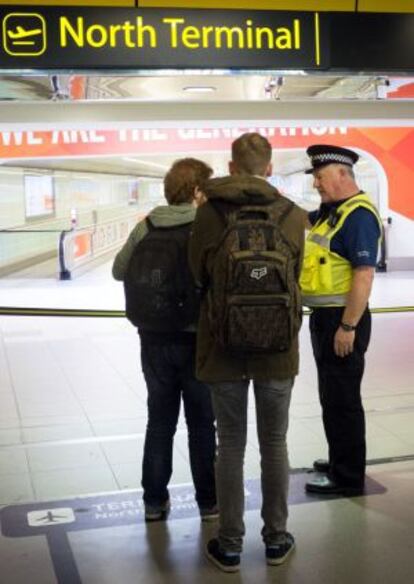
column 334, row 216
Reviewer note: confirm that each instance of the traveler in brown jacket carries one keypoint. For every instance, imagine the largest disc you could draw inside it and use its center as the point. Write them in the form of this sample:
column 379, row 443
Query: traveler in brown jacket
column 229, row 375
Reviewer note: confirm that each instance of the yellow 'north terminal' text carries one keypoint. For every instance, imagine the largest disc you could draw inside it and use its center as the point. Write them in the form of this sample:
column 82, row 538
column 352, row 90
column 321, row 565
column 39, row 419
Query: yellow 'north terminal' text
column 96, row 35
column 248, row 37
column 180, row 35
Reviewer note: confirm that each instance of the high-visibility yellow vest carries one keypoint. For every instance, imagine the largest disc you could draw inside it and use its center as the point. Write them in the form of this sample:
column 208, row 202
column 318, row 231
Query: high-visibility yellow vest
column 326, row 277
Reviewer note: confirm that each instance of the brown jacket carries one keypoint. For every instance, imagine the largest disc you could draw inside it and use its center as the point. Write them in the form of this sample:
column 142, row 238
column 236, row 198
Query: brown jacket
column 213, row 364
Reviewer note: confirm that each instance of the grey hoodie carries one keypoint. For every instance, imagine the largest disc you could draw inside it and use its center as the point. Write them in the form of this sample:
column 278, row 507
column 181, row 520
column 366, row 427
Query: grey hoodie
column 162, row 216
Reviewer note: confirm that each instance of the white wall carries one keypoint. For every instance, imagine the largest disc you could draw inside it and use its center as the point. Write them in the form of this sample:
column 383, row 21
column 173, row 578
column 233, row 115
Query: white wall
column 94, row 197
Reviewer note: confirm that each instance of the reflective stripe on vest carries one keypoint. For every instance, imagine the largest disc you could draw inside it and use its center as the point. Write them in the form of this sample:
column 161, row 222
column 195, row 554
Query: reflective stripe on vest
column 326, row 300
column 326, row 277
column 320, row 240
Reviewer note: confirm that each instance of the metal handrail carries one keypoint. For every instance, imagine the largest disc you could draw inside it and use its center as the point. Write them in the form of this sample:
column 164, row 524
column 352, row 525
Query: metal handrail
column 106, row 313
column 30, row 230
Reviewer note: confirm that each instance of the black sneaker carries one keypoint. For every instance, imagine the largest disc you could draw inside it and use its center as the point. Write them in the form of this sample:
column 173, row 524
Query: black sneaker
column 209, row 513
column 157, row 512
column 226, row 561
column 277, row 553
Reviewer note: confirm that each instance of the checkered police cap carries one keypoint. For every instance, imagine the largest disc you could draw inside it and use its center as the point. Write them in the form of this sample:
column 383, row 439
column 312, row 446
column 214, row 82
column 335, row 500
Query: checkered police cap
column 324, row 154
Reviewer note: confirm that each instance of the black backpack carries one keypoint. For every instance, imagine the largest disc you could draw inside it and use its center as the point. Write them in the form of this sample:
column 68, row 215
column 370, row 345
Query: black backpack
column 253, row 295
column 160, row 293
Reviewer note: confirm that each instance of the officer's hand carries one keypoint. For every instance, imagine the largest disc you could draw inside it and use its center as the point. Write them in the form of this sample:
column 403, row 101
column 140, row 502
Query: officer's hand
column 344, row 342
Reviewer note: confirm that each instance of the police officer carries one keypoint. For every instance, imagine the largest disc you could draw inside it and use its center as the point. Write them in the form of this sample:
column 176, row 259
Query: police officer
column 338, row 271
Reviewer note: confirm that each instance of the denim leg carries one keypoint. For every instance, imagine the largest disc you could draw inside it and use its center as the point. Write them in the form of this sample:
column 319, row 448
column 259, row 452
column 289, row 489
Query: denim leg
column 272, row 413
column 163, row 410
column 201, row 433
column 230, row 408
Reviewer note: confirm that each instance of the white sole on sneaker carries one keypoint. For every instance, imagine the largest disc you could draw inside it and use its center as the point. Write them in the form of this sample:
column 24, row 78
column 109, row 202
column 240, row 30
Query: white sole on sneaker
column 207, row 518
column 232, row 567
column 222, row 567
column 279, row 561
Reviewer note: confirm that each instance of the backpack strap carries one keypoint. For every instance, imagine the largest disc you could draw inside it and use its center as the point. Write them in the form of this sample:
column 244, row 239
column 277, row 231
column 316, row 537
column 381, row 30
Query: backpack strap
column 285, row 212
column 149, row 223
column 223, row 209
column 226, row 209
column 227, row 212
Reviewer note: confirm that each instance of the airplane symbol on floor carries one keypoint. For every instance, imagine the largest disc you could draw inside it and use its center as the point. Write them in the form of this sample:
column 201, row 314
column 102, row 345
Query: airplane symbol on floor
column 51, row 517
column 44, row 517
column 21, row 33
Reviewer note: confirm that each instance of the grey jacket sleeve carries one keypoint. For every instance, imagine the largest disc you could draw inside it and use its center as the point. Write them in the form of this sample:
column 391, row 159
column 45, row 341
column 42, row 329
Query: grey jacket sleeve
column 122, row 258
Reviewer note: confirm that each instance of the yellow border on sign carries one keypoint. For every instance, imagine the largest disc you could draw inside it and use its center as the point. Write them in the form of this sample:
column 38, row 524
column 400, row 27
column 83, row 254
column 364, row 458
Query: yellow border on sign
column 83, row 3
column 291, row 5
column 386, row 6
column 317, row 40
column 398, row 6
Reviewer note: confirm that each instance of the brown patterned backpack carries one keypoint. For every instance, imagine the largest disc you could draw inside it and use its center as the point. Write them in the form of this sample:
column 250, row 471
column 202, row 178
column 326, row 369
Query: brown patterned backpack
column 253, row 296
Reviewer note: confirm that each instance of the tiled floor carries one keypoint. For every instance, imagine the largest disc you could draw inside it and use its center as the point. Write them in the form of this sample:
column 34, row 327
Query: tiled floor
column 73, row 414
column 72, row 395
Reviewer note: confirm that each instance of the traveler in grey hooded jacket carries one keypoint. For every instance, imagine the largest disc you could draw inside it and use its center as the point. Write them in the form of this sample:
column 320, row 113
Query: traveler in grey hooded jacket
column 168, row 363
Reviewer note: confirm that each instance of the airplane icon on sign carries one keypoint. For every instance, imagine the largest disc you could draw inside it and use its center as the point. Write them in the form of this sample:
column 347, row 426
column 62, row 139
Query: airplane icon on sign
column 21, row 33
column 24, row 34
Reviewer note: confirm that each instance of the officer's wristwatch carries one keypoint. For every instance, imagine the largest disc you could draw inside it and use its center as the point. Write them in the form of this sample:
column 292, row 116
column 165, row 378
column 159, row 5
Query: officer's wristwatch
column 347, row 327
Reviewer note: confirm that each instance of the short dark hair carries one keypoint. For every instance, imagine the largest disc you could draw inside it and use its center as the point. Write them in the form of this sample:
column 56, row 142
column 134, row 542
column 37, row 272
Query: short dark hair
column 251, row 153
column 183, row 177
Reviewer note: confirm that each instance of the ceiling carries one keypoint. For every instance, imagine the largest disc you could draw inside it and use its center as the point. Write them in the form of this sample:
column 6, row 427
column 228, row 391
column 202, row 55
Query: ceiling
column 195, row 87
column 188, row 86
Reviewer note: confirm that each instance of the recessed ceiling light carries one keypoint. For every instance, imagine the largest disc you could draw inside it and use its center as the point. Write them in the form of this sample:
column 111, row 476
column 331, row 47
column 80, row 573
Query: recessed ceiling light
column 199, row 88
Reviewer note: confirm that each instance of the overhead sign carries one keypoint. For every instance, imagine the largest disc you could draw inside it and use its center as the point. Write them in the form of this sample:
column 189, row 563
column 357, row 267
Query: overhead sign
column 76, row 38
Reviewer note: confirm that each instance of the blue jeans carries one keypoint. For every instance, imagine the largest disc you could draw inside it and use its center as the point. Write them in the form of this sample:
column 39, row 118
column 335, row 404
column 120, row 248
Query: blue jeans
column 272, row 410
column 169, row 375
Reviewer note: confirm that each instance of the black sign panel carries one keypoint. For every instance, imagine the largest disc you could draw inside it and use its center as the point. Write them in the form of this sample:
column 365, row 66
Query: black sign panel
column 87, row 38
column 372, row 42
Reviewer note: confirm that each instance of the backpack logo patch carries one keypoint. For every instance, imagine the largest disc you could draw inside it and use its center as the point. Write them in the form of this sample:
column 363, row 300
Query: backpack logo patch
column 258, row 273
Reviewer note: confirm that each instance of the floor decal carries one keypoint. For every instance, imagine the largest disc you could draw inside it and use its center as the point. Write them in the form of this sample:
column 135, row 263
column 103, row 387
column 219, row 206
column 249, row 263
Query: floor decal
column 54, row 520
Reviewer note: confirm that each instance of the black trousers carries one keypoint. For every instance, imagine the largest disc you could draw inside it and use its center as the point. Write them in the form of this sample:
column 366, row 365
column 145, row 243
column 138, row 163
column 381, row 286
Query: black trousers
column 169, row 374
column 339, row 380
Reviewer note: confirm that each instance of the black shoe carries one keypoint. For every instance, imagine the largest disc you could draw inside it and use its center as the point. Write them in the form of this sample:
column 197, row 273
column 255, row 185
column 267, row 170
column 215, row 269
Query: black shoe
column 226, row 561
column 157, row 513
column 323, row 485
column 209, row 513
column 321, row 465
column 277, row 553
